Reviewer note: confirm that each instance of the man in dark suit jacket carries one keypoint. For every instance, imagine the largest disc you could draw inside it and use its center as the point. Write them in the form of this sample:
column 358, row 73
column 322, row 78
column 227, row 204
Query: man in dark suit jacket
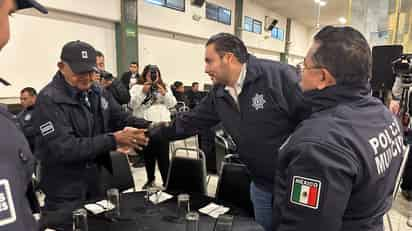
column 130, row 77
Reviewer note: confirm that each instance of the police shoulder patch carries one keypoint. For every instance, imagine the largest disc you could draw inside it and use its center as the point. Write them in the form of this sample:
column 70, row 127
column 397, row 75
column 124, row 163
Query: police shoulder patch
column 7, row 209
column 46, row 128
column 305, row 192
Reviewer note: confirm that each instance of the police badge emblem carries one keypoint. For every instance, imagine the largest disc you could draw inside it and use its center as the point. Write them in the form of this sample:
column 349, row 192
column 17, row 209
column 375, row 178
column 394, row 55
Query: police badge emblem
column 258, row 101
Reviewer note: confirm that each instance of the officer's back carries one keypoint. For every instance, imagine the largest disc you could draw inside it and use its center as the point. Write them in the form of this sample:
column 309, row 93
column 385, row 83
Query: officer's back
column 16, row 160
column 338, row 169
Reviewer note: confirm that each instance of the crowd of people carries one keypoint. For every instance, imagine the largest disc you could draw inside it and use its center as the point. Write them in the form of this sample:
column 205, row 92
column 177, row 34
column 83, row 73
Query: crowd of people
column 322, row 153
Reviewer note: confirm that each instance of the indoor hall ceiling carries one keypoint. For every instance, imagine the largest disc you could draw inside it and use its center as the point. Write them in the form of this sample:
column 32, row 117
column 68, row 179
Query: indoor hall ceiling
column 305, row 11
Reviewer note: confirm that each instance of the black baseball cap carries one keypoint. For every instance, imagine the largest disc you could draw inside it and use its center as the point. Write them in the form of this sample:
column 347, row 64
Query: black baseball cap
column 80, row 56
column 106, row 75
column 24, row 4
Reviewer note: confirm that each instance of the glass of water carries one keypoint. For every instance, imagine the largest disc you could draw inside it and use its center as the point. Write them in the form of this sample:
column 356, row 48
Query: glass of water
column 192, row 221
column 183, row 205
column 80, row 220
column 113, row 199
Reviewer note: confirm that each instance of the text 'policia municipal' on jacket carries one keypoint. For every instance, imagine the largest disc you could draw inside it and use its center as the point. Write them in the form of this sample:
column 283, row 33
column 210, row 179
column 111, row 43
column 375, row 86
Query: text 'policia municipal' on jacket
column 268, row 105
column 338, row 169
column 67, row 142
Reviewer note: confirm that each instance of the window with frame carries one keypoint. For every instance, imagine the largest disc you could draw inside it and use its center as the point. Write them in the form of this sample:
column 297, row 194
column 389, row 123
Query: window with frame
column 173, row 4
column 218, row 13
column 252, row 25
column 278, row 33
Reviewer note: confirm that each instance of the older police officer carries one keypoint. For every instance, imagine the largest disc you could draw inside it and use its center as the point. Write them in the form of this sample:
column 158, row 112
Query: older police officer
column 76, row 120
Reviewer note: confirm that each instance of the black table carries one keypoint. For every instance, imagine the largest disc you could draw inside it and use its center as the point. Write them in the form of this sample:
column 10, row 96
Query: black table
column 133, row 217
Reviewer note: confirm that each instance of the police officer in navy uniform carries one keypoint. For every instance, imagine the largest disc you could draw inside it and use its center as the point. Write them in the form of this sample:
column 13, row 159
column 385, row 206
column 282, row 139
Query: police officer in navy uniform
column 28, row 97
column 257, row 102
column 16, row 165
column 337, row 171
column 76, row 120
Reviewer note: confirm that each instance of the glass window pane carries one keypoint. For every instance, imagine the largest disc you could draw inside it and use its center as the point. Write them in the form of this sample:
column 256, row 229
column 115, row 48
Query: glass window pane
column 224, row 15
column 248, row 24
column 274, row 33
column 130, row 11
column 211, row 11
column 177, row 4
column 280, row 34
column 156, row 2
column 257, row 26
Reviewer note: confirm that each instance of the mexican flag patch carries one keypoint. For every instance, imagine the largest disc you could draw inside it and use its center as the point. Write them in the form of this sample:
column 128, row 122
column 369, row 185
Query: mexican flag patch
column 305, row 192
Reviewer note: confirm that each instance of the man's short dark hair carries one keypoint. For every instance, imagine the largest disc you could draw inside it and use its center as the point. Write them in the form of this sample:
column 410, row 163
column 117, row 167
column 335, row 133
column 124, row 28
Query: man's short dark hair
column 135, row 63
column 225, row 42
column 31, row 91
column 194, row 84
column 99, row 54
column 345, row 53
column 177, row 84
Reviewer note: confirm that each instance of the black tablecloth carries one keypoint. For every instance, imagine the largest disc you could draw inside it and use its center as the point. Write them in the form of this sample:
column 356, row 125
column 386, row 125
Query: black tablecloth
column 133, row 217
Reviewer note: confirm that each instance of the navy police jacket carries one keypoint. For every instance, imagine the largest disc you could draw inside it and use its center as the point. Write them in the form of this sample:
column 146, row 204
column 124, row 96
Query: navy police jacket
column 25, row 122
column 266, row 115
column 16, row 168
column 337, row 171
column 67, row 142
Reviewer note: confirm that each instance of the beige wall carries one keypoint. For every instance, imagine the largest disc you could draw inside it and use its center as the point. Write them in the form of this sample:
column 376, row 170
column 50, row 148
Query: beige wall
column 263, row 45
column 300, row 37
column 174, row 41
column 157, row 17
column 34, row 49
column 106, row 9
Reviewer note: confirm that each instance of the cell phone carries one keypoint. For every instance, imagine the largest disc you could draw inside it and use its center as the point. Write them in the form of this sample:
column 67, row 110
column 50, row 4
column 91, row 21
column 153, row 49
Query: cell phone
column 224, row 223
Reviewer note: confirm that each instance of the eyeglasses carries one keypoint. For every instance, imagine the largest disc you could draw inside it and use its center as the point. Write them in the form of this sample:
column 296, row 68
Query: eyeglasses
column 300, row 67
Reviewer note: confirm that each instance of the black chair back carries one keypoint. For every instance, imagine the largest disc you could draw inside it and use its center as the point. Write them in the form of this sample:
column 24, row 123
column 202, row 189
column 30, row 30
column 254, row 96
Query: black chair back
column 122, row 177
column 186, row 174
column 234, row 186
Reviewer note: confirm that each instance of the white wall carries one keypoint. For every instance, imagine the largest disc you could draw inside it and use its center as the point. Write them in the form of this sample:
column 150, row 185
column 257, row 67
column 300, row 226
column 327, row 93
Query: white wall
column 175, row 42
column 162, row 18
column 268, row 46
column 178, row 57
column 106, row 9
column 34, row 49
column 300, row 37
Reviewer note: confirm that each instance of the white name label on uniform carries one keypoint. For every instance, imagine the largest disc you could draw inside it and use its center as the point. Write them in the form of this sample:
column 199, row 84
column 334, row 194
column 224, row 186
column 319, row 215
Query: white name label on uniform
column 47, row 128
column 7, row 210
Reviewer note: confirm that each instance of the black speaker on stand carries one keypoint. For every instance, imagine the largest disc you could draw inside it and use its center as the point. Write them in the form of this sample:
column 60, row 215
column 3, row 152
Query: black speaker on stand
column 382, row 73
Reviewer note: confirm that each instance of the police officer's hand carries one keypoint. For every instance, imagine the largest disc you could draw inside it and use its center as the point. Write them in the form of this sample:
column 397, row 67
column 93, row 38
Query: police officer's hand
column 146, row 87
column 131, row 137
column 394, row 106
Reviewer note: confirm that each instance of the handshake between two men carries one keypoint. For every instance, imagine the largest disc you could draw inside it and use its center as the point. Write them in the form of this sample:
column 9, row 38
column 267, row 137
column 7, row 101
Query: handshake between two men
column 131, row 138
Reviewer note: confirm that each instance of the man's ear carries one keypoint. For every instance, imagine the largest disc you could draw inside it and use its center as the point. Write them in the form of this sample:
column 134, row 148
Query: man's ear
column 326, row 80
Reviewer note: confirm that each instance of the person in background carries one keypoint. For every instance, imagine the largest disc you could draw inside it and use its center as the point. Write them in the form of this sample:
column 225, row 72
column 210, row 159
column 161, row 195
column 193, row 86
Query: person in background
column 179, row 93
column 130, row 78
column 16, row 159
column 28, row 97
column 151, row 100
column 194, row 95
